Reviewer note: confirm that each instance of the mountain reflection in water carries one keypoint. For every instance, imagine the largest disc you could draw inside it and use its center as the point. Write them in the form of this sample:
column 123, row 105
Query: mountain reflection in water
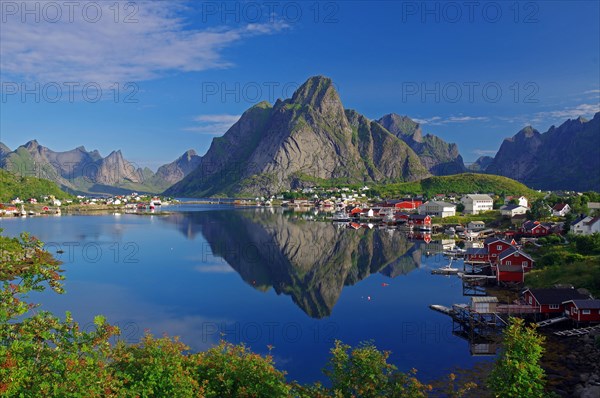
column 310, row 261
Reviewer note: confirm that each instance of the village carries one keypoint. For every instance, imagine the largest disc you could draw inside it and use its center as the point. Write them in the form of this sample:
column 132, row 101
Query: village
column 49, row 205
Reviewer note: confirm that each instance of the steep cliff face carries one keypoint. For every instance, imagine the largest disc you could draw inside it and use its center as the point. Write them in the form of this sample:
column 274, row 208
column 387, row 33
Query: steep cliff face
column 564, row 157
column 306, row 138
column 438, row 156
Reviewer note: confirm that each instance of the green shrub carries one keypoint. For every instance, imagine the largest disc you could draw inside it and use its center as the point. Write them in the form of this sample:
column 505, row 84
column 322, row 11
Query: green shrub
column 517, row 372
column 230, row 371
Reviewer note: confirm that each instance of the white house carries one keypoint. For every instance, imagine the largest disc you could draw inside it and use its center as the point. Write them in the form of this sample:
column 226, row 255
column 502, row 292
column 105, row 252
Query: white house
column 561, row 209
column 586, row 225
column 512, row 210
column 521, row 200
column 476, row 225
column 437, row 209
column 476, row 203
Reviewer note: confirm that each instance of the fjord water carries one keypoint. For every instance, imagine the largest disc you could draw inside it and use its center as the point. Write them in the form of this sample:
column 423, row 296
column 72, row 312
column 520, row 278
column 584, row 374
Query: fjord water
column 257, row 276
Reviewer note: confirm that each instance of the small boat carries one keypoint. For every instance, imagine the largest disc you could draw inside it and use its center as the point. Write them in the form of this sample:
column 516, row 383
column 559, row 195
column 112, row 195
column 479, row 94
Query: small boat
column 446, row 270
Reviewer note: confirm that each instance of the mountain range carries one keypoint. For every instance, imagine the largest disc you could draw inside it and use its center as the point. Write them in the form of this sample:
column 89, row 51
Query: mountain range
column 80, row 171
column 311, row 138
column 566, row 157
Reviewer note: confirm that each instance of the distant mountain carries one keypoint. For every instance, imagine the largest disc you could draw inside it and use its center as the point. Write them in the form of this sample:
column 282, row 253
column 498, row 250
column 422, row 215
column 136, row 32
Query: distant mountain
column 481, row 164
column 439, row 157
column 4, row 150
column 302, row 140
column 175, row 171
column 565, row 157
column 81, row 171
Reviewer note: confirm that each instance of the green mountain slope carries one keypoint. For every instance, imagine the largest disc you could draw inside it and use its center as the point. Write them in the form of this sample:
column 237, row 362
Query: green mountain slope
column 458, row 184
column 12, row 186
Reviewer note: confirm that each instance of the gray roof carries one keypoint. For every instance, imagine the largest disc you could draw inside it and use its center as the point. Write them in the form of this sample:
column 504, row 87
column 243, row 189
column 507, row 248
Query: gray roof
column 439, row 203
column 478, row 197
column 511, row 207
column 586, row 304
column 512, row 250
column 556, row 295
column 477, row 250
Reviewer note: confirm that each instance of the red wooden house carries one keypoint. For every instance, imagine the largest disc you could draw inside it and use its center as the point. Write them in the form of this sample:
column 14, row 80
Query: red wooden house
column 489, row 253
column 355, row 212
column 583, row 310
column 535, row 228
column 477, row 255
column 510, row 273
column 514, row 256
column 403, row 204
column 495, row 246
column 550, row 301
column 420, row 220
column 401, row 216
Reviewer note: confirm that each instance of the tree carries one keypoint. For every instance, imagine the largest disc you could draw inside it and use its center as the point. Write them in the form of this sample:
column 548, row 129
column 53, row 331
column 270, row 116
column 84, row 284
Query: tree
column 517, row 372
column 363, row 371
column 539, row 210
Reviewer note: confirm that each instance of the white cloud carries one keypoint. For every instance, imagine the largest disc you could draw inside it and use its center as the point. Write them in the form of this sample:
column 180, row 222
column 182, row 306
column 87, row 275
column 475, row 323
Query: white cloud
column 220, row 118
column 216, row 124
column 109, row 50
column 485, row 152
column 214, row 269
column 438, row 120
column 592, row 91
column 569, row 113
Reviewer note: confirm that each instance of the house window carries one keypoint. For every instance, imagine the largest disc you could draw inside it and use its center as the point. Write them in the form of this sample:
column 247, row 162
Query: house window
column 554, row 306
column 530, row 300
column 499, row 247
column 585, row 312
column 525, row 264
column 508, row 263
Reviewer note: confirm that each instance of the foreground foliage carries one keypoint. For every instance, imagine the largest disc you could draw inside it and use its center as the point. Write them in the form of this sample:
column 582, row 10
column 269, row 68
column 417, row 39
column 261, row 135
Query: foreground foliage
column 517, row 373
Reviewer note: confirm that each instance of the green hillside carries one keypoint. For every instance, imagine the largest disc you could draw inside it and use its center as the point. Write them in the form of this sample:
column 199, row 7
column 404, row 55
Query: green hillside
column 459, row 184
column 12, row 186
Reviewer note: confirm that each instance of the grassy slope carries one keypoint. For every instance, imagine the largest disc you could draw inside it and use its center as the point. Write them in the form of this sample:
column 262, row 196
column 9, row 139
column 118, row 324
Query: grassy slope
column 12, row 186
column 459, row 184
column 572, row 263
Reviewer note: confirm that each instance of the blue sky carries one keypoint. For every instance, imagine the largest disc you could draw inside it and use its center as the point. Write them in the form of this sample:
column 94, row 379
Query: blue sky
column 173, row 75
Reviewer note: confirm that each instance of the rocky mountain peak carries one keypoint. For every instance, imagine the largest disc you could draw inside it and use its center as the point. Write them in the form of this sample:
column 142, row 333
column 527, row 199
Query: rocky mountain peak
column 319, row 93
column 402, row 126
column 33, row 144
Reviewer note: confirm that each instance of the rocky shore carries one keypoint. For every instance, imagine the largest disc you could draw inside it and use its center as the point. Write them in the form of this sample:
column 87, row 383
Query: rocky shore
column 572, row 365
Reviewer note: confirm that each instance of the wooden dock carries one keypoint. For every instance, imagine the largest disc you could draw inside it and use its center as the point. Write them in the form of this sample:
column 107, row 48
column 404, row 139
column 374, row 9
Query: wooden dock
column 577, row 332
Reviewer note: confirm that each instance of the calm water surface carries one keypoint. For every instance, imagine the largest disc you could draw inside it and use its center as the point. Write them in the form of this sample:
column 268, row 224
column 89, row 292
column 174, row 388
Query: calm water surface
column 260, row 277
